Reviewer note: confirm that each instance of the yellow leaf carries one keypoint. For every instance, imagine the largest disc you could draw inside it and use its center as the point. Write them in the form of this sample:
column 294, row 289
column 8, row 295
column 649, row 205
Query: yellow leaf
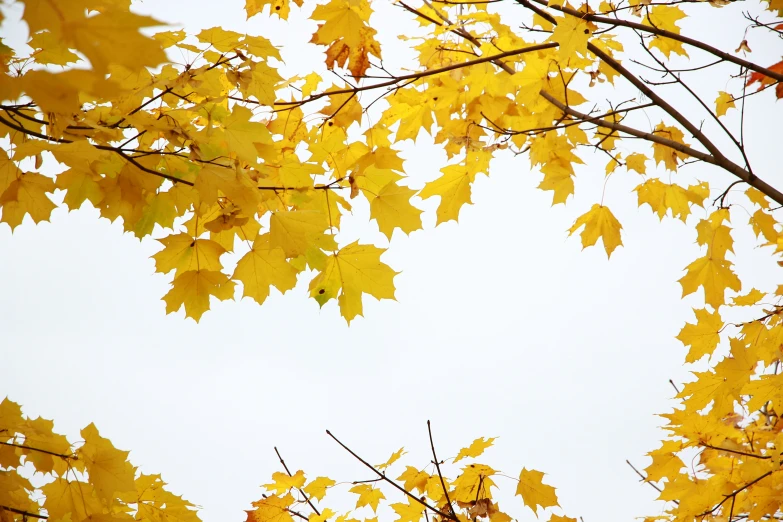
column 665, row 462
column 599, row 222
column 271, row 509
column 70, row 500
column 636, row 162
column 394, row 458
column 453, row 187
column 764, row 224
column 38, row 432
column 345, row 30
column 50, row 50
column 414, row 479
column 571, row 33
column 368, row 496
column 666, row 17
column 723, row 102
column 183, row 253
column 714, row 275
column 105, row 38
column 241, row 134
column 27, row 194
column 474, row 482
column 664, row 154
column 475, row 449
column 193, row 289
column 317, row 488
column 391, row 208
column 353, row 270
column 702, row 337
column 108, row 468
column 749, row 299
column 410, row 512
column 279, row 7
column 159, row 210
column 534, row 492
column 297, row 231
column 264, row 266
column 80, row 186
column 283, row 482
column 664, row 197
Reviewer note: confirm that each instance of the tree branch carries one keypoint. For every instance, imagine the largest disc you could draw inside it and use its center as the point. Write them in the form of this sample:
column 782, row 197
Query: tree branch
column 435, row 510
column 437, row 467
column 300, row 489
column 667, row 34
column 39, row 450
column 23, row 513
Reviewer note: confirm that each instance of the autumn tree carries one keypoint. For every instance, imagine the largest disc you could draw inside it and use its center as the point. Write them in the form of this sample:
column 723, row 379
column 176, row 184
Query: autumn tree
column 223, row 153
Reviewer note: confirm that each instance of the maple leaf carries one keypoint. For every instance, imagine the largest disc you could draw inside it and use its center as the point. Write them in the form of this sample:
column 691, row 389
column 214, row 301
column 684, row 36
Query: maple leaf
column 410, row 512
column 764, row 80
column 665, row 197
column 666, row 17
column 723, row 103
column 702, row 337
column 636, row 162
column 71, row 500
column 109, row 470
column 413, row 479
column 475, row 449
column 296, row 232
column 271, row 509
column 193, row 289
column 749, row 299
column 666, row 155
column 453, row 187
column 598, row 222
column 665, row 461
column 103, row 39
column 571, row 34
column 283, row 482
column 474, row 482
column 534, row 492
column 264, row 266
column 714, row 275
column 391, row 208
column 394, row 458
column 368, row 496
column 280, row 8
column 317, row 488
column 27, row 194
column 351, row 271
column 345, row 30
column 183, row 253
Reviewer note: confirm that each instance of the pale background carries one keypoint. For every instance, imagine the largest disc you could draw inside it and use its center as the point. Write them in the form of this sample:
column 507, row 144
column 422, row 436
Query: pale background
column 503, row 327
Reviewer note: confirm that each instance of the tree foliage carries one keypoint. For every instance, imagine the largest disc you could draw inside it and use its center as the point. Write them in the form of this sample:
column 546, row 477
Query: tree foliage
column 224, row 153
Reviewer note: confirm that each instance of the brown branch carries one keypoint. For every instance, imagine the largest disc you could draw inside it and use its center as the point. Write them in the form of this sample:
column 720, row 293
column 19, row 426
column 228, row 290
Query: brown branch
column 437, row 467
column 736, row 452
column 300, row 489
column 643, row 477
column 667, row 34
column 735, row 493
column 423, row 74
column 387, row 479
column 39, row 450
column 23, row 513
column 720, row 160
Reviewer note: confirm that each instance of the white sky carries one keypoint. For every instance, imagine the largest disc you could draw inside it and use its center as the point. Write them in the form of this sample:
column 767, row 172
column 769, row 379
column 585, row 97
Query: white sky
column 503, row 327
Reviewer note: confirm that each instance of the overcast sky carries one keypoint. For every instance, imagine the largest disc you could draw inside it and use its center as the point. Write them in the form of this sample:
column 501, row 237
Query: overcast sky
column 502, row 327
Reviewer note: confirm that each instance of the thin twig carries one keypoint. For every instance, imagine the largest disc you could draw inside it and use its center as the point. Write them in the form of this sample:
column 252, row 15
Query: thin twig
column 387, row 479
column 300, row 489
column 437, row 467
